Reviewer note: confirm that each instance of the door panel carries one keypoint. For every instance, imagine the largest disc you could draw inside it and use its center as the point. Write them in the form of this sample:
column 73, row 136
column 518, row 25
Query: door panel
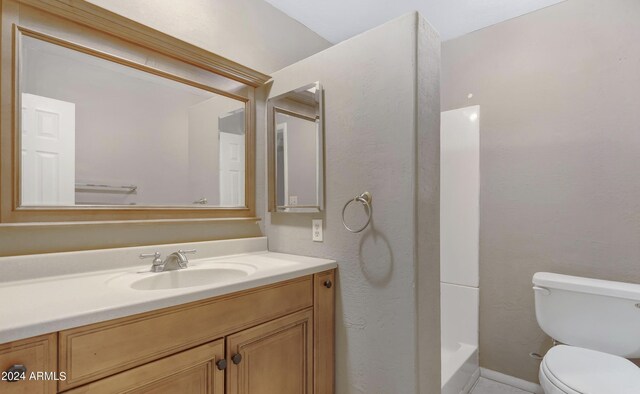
column 276, row 357
column 232, row 160
column 36, row 355
column 48, row 151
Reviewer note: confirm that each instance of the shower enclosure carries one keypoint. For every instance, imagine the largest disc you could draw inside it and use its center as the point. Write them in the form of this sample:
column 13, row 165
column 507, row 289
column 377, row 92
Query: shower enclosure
column 459, row 237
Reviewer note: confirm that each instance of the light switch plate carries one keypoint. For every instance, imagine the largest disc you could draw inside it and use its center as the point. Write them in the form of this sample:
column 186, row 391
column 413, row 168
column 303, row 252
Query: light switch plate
column 316, row 230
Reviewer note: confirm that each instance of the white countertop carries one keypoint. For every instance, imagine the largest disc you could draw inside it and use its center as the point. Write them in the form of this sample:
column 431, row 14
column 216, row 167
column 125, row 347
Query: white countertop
column 41, row 305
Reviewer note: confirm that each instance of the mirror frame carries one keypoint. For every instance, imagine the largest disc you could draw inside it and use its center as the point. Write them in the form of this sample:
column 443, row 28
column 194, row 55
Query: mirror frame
column 271, row 152
column 55, row 21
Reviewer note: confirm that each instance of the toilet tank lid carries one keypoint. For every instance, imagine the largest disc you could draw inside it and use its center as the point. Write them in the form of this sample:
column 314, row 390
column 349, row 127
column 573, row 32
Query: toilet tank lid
column 578, row 284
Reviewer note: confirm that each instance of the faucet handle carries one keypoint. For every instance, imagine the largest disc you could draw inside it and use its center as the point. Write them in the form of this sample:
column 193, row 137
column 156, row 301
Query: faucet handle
column 155, row 255
column 157, row 261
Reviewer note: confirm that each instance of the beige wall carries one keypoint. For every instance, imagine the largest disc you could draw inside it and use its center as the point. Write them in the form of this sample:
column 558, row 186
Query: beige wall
column 560, row 189
column 251, row 32
column 374, row 120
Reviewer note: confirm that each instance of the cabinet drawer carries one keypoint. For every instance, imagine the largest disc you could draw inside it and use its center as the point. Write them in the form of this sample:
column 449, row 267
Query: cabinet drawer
column 37, row 354
column 95, row 351
column 191, row 371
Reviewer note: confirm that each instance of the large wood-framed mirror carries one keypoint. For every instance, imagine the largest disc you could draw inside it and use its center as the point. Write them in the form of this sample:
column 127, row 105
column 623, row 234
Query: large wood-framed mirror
column 106, row 119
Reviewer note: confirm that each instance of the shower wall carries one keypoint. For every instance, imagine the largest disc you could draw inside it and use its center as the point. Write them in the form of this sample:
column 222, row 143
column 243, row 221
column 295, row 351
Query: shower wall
column 459, row 196
column 459, row 237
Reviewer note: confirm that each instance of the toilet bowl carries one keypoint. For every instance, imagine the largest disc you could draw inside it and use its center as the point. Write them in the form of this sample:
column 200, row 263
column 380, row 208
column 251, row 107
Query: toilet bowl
column 575, row 370
column 598, row 323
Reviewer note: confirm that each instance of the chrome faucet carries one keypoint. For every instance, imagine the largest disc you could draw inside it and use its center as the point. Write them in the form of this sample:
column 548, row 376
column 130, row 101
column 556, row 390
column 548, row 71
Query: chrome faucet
column 174, row 261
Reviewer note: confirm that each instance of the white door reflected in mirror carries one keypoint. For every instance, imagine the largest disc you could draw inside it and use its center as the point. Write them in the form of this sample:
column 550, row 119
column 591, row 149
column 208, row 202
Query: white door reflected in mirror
column 231, row 169
column 48, row 151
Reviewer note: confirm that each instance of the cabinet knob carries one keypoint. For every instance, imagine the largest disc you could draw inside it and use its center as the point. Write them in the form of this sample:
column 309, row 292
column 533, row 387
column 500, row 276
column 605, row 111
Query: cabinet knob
column 236, row 358
column 15, row 373
column 222, row 364
column 327, row 284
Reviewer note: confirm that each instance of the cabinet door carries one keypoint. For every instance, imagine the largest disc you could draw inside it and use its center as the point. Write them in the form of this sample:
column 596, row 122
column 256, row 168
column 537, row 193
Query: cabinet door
column 194, row 371
column 272, row 358
column 34, row 356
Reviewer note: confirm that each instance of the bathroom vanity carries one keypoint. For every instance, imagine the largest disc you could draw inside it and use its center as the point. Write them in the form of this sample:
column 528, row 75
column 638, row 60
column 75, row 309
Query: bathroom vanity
column 119, row 123
column 271, row 330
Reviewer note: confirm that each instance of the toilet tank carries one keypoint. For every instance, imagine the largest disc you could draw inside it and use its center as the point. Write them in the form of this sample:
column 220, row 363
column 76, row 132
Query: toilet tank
column 591, row 313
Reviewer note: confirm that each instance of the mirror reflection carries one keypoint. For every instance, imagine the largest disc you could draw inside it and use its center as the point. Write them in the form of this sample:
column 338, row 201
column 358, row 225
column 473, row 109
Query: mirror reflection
column 297, row 135
column 97, row 132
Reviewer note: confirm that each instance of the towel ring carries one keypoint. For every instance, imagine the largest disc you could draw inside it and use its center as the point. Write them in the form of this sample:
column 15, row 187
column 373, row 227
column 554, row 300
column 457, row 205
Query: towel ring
column 364, row 199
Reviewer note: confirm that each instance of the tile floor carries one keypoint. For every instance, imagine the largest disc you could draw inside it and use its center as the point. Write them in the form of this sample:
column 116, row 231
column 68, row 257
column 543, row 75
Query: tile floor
column 486, row 386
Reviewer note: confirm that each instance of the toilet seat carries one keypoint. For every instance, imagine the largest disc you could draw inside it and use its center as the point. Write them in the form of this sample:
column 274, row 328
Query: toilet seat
column 575, row 370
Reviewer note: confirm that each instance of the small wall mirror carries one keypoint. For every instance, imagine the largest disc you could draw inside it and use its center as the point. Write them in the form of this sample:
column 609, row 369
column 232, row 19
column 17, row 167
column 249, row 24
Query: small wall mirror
column 296, row 150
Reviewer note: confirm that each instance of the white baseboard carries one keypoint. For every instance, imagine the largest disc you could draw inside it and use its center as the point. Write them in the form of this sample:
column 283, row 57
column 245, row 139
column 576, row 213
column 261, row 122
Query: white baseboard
column 511, row 381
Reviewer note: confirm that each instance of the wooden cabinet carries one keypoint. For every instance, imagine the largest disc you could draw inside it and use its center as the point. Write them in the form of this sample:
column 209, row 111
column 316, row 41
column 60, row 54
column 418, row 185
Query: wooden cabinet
column 36, row 354
column 98, row 350
column 324, row 322
column 274, row 357
column 192, row 371
column 275, row 339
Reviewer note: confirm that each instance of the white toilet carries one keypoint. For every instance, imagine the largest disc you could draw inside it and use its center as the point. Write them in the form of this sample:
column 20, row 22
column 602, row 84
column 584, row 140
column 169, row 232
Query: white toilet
column 598, row 323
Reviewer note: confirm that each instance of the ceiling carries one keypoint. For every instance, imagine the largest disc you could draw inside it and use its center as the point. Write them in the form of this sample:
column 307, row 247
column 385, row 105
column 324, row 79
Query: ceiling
column 337, row 20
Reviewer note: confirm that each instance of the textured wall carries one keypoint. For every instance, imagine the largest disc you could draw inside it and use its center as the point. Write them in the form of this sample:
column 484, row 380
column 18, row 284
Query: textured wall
column 370, row 144
column 559, row 143
column 427, row 200
column 251, row 32
column 248, row 31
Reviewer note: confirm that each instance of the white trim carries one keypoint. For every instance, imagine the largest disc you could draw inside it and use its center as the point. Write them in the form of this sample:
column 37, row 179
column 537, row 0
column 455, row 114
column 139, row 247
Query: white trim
column 511, row 381
column 282, row 129
column 472, row 382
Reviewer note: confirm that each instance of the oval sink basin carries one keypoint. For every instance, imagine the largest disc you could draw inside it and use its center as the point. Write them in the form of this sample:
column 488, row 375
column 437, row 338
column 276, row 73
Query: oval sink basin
column 188, row 278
